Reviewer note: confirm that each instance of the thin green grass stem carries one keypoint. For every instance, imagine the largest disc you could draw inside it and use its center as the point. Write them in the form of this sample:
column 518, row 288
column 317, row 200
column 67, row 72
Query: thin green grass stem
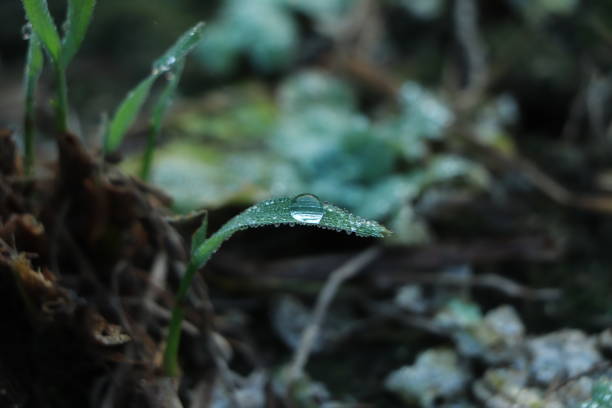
column 28, row 133
column 171, row 366
column 61, row 101
column 147, row 159
column 34, row 66
column 29, row 121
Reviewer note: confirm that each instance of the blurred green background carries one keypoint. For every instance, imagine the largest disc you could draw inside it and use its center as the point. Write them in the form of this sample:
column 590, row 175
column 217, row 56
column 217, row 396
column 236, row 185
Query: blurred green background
column 374, row 105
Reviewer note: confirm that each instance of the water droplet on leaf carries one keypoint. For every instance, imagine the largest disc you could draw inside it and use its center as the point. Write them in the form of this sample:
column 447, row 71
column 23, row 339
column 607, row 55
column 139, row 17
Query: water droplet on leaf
column 307, row 208
column 164, row 65
column 26, row 31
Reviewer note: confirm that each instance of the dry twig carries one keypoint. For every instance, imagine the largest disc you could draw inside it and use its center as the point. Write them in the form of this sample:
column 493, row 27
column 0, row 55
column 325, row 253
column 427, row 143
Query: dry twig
column 466, row 32
column 337, row 277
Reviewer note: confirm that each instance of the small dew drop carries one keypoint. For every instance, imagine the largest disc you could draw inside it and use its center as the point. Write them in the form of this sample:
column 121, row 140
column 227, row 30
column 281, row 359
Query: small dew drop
column 307, row 208
column 164, row 65
column 26, row 31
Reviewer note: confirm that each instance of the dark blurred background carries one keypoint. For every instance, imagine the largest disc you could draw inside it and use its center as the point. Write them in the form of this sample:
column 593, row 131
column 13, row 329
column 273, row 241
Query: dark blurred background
column 513, row 73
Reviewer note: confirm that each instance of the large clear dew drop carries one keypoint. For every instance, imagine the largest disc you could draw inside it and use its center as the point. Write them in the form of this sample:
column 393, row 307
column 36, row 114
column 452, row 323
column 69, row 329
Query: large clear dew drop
column 307, row 208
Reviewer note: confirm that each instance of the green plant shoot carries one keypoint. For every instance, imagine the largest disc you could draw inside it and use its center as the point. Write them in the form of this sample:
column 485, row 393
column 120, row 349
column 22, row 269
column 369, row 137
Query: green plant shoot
column 157, row 115
column 304, row 209
column 131, row 105
column 42, row 23
column 77, row 20
column 34, row 66
column 126, row 113
column 61, row 51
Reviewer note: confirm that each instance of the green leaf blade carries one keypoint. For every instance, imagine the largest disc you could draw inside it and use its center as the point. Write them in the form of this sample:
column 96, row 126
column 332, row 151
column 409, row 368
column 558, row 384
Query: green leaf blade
column 39, row 16
column 34, row 66
column 126, row 113
column 78, row 18
column 172, row 60
column 157, row 115
column 199, row 236
column 166, row 96
column 278, row 212
column 179, row 49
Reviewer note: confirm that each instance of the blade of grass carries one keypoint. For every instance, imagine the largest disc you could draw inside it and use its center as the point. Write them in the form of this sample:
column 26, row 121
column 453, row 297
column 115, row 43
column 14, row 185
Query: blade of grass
column 278, row 212
column 43, row 25
column 34, row 66
column 157, row 115
column 38, row 15
column 77, row 20
column 131, row 105
column 271, row 212
column 126, row 113
column 199, row 236
column 179, row 49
